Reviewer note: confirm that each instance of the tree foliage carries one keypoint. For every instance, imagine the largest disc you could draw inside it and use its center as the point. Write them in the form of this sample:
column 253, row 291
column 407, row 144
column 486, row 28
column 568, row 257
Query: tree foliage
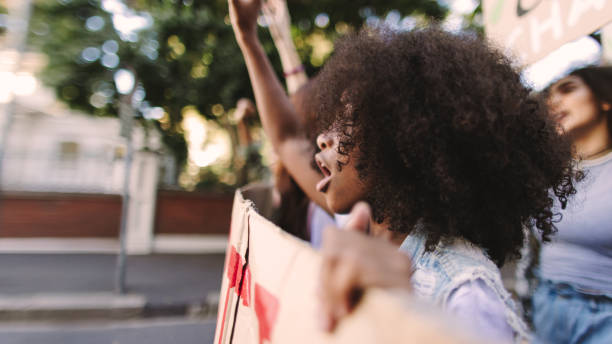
column 3, row 17
column 184, row 54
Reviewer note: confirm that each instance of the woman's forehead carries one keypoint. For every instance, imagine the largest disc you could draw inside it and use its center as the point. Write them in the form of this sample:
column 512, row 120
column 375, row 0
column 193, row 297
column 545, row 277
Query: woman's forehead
column 565, row 80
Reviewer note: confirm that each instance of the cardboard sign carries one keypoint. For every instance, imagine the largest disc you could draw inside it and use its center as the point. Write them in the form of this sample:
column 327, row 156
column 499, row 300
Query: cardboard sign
column 268, row 293
column 530, row 29
column 606, row 43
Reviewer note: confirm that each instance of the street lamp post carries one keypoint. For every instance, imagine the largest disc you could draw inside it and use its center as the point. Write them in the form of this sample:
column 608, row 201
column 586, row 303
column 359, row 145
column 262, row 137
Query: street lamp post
column 10, row 63
column 124, row 82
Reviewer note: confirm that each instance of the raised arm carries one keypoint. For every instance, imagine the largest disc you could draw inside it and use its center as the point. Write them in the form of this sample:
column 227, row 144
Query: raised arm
column 279, row 119
column 279, row 24
column 244, row 110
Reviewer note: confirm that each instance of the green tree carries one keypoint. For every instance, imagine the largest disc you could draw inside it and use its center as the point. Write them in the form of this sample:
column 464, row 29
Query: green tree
column 3, row 12
column 183, row 53
column 474, row 20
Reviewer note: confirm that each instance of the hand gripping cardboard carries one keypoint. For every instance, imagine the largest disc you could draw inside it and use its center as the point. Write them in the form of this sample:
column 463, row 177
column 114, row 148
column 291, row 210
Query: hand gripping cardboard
column 268, row 293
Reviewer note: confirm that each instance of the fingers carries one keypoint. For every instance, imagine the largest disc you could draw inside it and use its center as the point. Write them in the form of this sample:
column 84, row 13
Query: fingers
column 272, row 6
column 327, row 270
column 267, row 9
column 330, row 238
column 341, row 287
column 245, row 10
column 353, row 262
column 246, row 105
column 339, row 281
column 359, row 220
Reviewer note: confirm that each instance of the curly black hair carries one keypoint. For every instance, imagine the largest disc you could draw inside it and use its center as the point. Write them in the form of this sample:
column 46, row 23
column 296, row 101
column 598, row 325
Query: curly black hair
column 448, row 137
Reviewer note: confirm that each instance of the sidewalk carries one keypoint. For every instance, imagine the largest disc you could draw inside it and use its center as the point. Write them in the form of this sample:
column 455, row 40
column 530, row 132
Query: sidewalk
column 81, row 286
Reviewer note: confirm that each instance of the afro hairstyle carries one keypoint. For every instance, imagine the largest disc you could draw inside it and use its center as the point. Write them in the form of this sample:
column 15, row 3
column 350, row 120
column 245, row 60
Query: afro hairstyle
column 448, row 137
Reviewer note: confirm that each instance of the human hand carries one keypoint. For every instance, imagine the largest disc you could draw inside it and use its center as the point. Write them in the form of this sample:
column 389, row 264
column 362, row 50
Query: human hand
column 352, row 262
column 278, row 19
column 243, row 15
column 244, row 109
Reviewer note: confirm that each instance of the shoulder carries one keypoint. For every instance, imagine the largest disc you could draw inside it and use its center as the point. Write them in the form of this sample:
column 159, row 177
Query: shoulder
column 440, row 271
column 482, row 309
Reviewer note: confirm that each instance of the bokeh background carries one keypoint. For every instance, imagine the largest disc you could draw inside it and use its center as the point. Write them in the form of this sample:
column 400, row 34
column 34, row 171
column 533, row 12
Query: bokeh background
column 119, row 152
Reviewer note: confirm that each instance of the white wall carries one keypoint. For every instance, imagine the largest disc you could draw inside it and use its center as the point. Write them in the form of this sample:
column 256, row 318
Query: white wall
column 66, row 152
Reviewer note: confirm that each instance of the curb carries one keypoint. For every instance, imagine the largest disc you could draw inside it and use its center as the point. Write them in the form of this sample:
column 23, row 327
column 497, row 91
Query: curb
column 88, row 306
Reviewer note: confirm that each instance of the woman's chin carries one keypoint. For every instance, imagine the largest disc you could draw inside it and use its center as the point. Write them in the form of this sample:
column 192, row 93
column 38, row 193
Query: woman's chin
column 339, row 207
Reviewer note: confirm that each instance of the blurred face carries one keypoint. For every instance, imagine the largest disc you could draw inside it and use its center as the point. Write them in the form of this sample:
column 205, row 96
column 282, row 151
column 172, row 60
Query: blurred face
column 341, row 186
column 574, row 106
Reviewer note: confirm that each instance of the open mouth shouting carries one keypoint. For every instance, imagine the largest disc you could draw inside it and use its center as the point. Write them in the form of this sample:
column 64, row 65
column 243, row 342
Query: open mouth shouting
column 324, row 183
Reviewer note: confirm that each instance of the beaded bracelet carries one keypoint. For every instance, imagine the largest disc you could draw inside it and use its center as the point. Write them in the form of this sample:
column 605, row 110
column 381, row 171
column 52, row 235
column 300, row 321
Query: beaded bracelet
column 294, row 71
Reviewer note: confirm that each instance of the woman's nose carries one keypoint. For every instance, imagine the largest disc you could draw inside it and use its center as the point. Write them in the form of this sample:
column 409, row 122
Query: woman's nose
column 553, row 101
column 324, row 141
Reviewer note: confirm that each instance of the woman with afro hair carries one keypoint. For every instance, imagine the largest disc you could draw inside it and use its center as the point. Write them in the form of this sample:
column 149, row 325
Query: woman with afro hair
column 438, row 135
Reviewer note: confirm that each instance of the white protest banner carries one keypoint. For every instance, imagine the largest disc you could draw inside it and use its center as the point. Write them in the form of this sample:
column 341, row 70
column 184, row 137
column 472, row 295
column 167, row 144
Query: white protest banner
column 268, row 293
column 530, row 29
column 606, row 43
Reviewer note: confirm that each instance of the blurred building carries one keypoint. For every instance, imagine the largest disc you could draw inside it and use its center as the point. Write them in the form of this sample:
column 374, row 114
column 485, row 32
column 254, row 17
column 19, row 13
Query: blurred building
column 62, row 176
column 62, row 173
column 52, row 149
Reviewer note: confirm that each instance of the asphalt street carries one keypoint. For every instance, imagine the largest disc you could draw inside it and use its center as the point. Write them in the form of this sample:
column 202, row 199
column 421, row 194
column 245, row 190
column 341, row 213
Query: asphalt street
column 144, row 331
column 163, row 278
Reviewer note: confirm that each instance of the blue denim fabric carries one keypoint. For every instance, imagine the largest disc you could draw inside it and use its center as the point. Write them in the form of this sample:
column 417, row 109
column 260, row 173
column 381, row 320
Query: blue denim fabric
column 563, row 315
column 441, row 271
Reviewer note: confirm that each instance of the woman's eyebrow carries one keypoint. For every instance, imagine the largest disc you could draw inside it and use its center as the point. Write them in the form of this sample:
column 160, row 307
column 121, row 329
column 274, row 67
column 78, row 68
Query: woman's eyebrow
column 563, row 84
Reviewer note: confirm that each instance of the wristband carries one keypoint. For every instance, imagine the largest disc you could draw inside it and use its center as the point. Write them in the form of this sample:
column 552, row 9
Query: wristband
column 294, row 71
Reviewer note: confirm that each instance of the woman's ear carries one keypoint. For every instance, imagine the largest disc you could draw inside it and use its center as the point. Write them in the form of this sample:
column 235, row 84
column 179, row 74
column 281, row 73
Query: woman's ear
column 605, row 106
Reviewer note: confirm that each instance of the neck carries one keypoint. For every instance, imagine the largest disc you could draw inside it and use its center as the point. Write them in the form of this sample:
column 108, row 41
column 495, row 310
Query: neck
column 382, row 230
column 594, row 144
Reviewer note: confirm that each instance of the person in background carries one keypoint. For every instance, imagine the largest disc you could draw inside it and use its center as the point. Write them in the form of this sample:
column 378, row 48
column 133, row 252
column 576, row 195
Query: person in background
column 573, row 300
column 277, row 17
column 296, row 213
column 248, row 155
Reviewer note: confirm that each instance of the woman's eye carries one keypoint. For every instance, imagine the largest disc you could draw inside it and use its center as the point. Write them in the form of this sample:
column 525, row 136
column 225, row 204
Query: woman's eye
column 566, row 88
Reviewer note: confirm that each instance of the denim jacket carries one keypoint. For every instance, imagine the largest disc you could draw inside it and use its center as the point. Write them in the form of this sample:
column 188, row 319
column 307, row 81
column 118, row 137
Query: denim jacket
column 440, row 272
